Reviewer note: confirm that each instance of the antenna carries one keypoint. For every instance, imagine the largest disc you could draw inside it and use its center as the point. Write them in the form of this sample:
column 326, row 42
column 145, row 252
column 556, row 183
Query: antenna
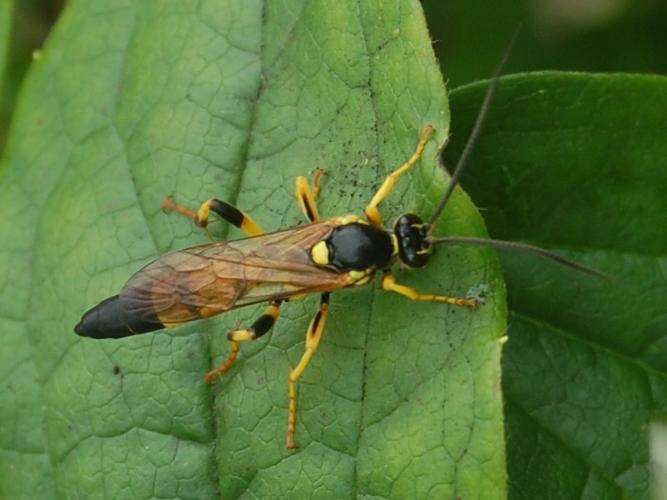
column 472, row 139
column 458, row 170
column 512, row 245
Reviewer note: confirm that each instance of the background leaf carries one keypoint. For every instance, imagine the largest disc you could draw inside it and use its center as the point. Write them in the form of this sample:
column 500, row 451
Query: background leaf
column 133, row 100
column 576, row 163
column 604, row 36
column 6, row 10
column 5, row 30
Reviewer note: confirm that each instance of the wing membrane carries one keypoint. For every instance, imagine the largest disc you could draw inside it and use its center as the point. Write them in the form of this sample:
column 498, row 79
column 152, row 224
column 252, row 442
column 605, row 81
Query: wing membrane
column 209, row 279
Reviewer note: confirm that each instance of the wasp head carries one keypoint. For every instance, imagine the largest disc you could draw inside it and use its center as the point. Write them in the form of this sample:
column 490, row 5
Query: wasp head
column 413, row 248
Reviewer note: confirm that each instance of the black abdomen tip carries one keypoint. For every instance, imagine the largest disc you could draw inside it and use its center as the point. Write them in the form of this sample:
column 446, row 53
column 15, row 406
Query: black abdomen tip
column 110, row 320
column 103, row 321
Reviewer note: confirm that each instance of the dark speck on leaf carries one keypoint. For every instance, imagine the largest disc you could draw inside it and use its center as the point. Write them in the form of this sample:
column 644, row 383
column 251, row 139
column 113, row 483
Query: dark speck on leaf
column 116, row 369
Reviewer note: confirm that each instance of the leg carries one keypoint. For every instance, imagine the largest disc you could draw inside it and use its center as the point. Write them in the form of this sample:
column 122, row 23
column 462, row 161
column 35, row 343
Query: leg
column 389, row 283
column 224, row 210
column 372, row 212
column 307, row 197
column 312, row 341
column 262, row 325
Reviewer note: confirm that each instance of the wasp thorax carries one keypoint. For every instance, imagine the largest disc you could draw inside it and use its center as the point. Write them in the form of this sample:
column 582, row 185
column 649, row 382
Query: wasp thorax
column 357, row 246
column 413, row 249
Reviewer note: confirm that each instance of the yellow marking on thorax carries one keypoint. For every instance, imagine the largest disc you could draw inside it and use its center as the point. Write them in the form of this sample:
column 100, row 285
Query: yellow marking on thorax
column 358, row 278
column 349, row 219
column 320, row 253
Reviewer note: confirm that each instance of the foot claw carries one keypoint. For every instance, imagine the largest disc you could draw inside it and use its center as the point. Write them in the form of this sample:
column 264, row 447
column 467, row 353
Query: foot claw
column 210, row 376
column 167, row 204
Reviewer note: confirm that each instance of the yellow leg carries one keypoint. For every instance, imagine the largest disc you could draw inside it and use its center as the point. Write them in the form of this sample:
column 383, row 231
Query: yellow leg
column 312, row 341
column 223, row 209
column 225, row 365
column 307, row 197
column 261, row 325
column 389, row 283
column 372, row 212
column 316, row 182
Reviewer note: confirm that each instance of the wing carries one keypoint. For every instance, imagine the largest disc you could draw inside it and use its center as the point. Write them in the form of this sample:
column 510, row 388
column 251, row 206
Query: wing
column 209, row 279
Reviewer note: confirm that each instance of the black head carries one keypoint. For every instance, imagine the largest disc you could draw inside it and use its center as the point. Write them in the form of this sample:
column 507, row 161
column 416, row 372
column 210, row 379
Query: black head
column 411, row 233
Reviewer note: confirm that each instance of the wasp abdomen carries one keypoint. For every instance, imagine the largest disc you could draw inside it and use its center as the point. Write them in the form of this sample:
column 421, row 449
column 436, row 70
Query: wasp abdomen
column 110, row 319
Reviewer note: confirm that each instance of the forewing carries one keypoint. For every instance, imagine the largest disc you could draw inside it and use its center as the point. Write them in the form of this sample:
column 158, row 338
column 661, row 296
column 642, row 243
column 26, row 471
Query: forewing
column 209, row 279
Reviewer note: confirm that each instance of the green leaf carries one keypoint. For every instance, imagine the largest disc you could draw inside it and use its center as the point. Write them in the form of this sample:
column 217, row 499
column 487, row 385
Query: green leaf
column 131, row 101
column 25, row 471
column 575, row 163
